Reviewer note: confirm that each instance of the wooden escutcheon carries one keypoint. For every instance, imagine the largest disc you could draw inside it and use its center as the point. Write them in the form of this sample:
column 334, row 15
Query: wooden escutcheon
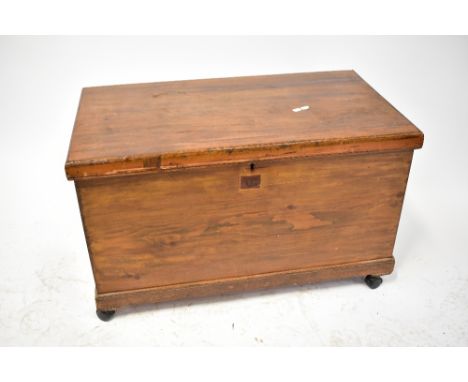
column 250, row 181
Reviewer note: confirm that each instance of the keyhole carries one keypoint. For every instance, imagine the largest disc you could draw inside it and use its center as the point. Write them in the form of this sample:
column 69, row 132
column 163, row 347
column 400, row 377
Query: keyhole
column 252, row 166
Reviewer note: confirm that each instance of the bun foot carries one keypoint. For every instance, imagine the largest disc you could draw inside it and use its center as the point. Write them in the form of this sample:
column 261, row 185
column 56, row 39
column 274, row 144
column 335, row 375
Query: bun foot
column 373, row 282
column 105, row 315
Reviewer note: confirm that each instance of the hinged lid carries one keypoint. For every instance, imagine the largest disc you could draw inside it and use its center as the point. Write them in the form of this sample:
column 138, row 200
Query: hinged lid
column 152, row 127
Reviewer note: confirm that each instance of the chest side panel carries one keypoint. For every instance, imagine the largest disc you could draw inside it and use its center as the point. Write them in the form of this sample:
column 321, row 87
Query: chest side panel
column 231, row 221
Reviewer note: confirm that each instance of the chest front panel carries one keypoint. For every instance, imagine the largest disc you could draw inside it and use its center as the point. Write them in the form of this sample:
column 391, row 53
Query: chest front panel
column 220, row 222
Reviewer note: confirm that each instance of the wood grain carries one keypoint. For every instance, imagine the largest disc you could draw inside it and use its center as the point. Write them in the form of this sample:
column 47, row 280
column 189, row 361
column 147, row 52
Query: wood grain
column 112, row 301
column 196, row 225
column 150, row 127
column 205, row 187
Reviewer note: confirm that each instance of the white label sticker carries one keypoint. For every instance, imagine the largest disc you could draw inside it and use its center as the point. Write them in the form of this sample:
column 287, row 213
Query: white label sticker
column 297, row 109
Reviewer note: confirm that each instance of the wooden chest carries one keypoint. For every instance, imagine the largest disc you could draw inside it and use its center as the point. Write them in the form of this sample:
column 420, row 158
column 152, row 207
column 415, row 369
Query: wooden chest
column 206, row 187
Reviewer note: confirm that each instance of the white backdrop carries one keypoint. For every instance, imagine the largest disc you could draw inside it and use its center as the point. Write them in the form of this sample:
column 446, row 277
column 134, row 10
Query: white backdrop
column 46, row 284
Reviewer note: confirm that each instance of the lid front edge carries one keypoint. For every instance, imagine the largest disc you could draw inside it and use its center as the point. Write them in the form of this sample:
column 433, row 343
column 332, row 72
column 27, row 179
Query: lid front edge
column 154, row 163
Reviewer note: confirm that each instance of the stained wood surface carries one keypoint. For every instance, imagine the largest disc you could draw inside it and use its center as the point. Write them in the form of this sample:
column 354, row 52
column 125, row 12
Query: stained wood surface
column 152, row 127
column 191, row 225
column 115, row 300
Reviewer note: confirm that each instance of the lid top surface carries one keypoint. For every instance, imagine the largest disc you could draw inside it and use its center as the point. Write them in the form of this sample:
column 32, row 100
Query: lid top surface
column 120, row 122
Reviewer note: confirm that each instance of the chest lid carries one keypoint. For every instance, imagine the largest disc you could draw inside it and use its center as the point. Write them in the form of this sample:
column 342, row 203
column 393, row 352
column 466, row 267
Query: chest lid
column 157, row 126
